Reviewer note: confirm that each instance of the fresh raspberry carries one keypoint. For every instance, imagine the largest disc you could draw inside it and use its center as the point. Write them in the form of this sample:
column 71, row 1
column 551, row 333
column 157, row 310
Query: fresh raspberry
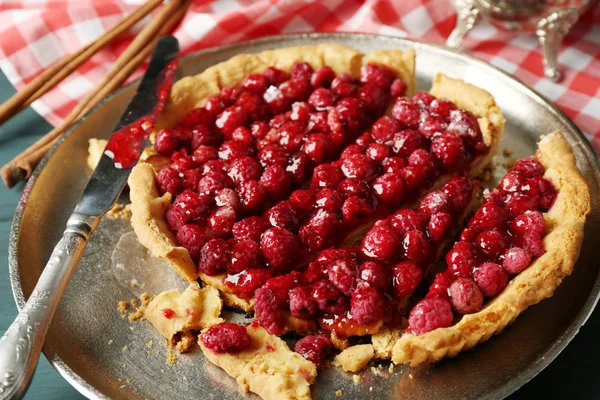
column 252, row 195
column 465, row 125
column 516, row 260
column 213, row 182
column 423, row 98
column 231, row 93
column 291, row 135
column 547, row 193
column 244, row 169
column 439, row 226
column 321, row 99
column 460, row 191
column 329, row 200
column 414, row 177
column 376, row 75
column 434, row 202
column 275, row 76
column 250, row 228
column 242, row 134
column 355, row 187
column 295, row 89
column 317, row 122
column 343, row 89
column 359, row 166
column 406, row 276
column 226, row 337
column 529, row 167
column 275, row 99
column 405, row 220
column 302, row 305
column 303, row 199
column 214, row 166
column 424, row 160
column 302, row 70
column 489, row 216
column 416, row 246
column 431, row 126
column 430, row 314
column 407, row 141
column 363, row 141
column 214, row 105
column 322, row 77
column 221, row 221
column 449, row 149
column 381, row 243
column 190, row 205
column 442, row 108
column 193, row 237
column 191, row 178
column 378, row 152
column 398, row 88
column 466, row 296
column 389, row 188
column 233, row 149
column 367, row 305
column 166, row 142
column 492, row 243
column 406, row 112
column 299, row 168
column 342, row 273
column 384, row 128
column 329, row 299
column 280, row 248
column 256, row 83
column 259, row 129
column 512, row 182
column 197, row 116
column 349, row 113
column 281, row 285
column 330, row 255
column 245, row 283
column 204, row 136
column 318, row 147
column 175, row 219
column 214, row 257
column 320, row 230
column 228, row 198
column 491, row 278
column 244, row 255
column 231, row 118
column 269, row 311
column 375, row 274
column 314, row 348
column 440, row 286
column 276, row 182
column 462, row 259
column 326, row 175
column 202, row 154
column 315, row 272
column 529, row 221
column 356, row 209
column 182, row 161
column 170, row 180
column 283, row 215
column 532, row 243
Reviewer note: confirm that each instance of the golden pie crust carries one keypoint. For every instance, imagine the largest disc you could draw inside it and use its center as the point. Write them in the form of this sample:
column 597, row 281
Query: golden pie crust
column 149, row 207
column 564, row 224
column 268, row 367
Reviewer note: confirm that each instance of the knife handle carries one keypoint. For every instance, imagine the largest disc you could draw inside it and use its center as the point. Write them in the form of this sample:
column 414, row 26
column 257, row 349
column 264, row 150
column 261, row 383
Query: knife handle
column 21, row 345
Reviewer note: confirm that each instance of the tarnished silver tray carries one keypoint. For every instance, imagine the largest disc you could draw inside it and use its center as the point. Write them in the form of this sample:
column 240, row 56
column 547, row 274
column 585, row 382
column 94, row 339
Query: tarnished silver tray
column 87, row 339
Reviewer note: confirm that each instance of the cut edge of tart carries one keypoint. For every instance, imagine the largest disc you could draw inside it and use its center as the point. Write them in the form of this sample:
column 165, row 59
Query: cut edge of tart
column 149, row 206
column 564, row 224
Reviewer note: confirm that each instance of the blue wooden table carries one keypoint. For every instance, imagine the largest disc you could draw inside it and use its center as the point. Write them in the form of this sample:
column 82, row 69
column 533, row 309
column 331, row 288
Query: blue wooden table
column 575, row 374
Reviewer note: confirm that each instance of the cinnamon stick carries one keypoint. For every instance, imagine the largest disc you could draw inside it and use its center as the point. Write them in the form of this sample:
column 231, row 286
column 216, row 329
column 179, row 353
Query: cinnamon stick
column 65, row 66
column 21, row 167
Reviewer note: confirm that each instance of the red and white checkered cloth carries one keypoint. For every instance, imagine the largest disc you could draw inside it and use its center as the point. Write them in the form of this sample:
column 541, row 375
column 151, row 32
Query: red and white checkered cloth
column 36, row 33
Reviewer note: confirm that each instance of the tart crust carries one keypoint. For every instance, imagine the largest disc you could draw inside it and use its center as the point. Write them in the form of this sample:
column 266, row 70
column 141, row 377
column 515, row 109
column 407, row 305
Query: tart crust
column 564, row 223
column 149, row 207
column 268, row 367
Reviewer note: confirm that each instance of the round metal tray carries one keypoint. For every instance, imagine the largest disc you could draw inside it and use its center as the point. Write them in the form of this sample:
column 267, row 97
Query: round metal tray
column 87, row 338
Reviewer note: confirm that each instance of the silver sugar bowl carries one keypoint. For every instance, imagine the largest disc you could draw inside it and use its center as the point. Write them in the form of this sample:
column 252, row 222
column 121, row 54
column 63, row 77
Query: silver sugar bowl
column 549, row 20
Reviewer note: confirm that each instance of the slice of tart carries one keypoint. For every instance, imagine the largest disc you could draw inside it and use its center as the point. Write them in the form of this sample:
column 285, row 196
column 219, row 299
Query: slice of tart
column 242, row 135
column 517, row 249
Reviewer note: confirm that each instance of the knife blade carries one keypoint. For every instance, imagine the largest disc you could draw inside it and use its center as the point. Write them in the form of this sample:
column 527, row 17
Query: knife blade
column 21, row 345
column 130, row 136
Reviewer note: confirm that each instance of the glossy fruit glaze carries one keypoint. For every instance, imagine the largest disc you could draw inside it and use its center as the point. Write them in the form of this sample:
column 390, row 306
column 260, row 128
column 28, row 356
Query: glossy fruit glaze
column 500, row 241
column 352, row 291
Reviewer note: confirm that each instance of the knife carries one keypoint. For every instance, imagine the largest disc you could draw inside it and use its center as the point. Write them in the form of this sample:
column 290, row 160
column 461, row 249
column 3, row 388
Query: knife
column 21, row 345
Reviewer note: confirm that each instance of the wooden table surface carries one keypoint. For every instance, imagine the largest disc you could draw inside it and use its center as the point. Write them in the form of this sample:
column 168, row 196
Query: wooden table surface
column 575, row 374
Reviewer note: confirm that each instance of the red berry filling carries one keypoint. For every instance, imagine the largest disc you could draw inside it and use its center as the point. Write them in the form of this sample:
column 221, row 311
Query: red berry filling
column 226, row 337
column 501, row 240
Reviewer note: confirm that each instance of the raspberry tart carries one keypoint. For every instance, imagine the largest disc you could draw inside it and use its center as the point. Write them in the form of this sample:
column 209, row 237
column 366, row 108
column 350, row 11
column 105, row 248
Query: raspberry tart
column 517, row 249
column 240, row 137
column 453, row 130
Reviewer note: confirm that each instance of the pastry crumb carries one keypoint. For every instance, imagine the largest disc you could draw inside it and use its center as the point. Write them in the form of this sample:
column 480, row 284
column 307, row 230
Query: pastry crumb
column 391, row 368
column 125, row 348
column 506, row 152
column 120, row 211
column 171, row 356
column 338, row 393
column 509, row 163
column 110, row 341
column 410, row 376
column 145, row 297
column 134, row 302
column 122, row 306
column 370, row 388
column 356, row 379
column 149, row 344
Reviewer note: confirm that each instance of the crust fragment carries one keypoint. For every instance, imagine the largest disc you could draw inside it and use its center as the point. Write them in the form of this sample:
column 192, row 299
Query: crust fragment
column 268, row 368
column 564, row 225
